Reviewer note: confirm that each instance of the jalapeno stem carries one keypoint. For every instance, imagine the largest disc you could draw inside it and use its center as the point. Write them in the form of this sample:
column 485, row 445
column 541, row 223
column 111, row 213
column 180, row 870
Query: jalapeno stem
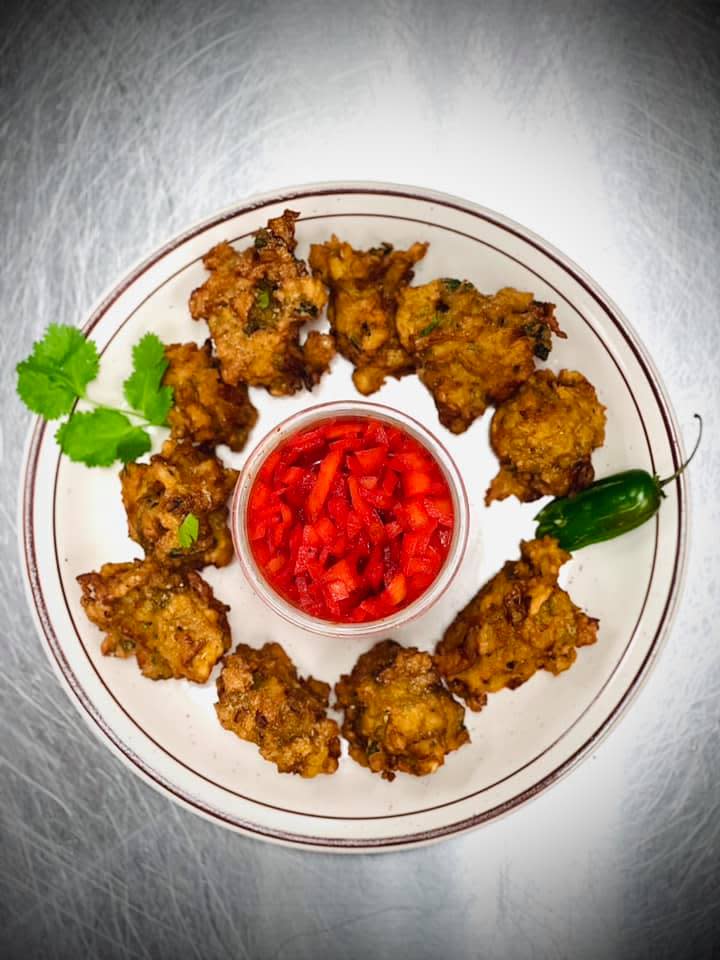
column 683, row 467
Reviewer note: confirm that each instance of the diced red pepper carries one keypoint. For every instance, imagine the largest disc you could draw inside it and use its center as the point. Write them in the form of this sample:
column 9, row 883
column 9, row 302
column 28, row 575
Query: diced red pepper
column 338, row 508
column 368, row 483
column 325, row 477
column 268, row 468
column 372, row 459
column 307, row 439
column 374, row 569
column 260, row 496
column 420, row 565
column 440, row 509
column 353, row 525
column 326, row 530
column 343, row 428
column 395, row 591
column 409, row 461
column 347, row 443
column 293, row 475
column 358, row 503
column 389, row 482
column 419, row 583
column 396, row 439
column 304, row 555
column 393, row 530
column 376, row 433
column 257, row 530
column 261, row 552
column 415, row 483
column 417, row 515
column 378, row 499
column 339, row 546
column 345, row 571
column 337, row 590
column 310, row 536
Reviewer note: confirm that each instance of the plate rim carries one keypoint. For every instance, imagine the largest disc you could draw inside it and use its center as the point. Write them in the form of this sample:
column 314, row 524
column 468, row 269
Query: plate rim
column 92, row 716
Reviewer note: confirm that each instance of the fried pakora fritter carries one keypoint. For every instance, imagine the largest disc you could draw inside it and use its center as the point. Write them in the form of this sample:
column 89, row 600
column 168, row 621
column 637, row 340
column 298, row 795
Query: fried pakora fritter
column 518, row 623
column 544, row 437
column 206, row 410
column 255, row 303
column 159, row 495
column 262, row 699
column 398, row 715
column 472, row 350
column 364, row 286
column 169, row 620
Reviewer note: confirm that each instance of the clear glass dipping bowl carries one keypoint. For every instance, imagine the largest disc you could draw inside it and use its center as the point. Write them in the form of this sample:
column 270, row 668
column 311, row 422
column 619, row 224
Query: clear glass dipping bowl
column 302, row 421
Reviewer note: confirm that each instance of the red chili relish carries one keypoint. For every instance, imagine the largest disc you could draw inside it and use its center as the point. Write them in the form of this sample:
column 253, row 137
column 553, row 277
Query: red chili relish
column 350, row 520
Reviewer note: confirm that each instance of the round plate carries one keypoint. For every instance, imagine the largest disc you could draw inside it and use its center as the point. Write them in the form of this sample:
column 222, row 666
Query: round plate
column 166, row 732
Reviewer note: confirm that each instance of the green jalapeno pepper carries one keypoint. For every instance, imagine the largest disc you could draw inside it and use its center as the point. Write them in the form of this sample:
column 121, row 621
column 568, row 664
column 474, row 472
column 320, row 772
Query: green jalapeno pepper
column 607, row 508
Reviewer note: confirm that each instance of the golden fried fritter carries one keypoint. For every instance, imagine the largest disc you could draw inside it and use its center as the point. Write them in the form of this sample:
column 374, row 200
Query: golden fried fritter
column 472, row 350
column 255, row 303
column 159, row 495
column 544, row 437
column 398, row 715
column 262, row 699
column 519, row 622
column 206, row 410
column 364, row 286
column 169, row 620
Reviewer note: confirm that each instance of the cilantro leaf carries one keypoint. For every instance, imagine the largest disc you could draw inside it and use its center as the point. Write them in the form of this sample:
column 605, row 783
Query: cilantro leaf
column 101, row 437
column 143, row 388
column 57, row 371
column 188, row 531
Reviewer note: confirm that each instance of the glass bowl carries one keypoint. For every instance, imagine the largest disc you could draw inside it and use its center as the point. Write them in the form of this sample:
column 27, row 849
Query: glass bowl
column 301, row 421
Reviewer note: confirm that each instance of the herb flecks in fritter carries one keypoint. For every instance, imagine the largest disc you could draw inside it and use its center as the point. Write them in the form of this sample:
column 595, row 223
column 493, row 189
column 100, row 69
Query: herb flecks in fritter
column 364, row 286
column 255, row 303
column 398, row 715
column 169, row 620
column 518, row 623
column 262, row 700
column 472, row 350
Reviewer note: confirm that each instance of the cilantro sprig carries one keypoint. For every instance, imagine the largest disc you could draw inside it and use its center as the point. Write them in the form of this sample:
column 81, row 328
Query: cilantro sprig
column 143, row 388
column 56, row 376
column 57, row 371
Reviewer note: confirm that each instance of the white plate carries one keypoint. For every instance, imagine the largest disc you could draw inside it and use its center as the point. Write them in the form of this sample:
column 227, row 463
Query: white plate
column 167, row 733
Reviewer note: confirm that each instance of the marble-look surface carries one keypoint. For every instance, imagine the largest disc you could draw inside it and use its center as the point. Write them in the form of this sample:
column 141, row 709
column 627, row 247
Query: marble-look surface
column 594, row 123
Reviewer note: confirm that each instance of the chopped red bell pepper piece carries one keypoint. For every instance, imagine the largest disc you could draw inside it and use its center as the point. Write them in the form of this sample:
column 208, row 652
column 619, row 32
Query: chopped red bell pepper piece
column 395, row 591
column 415, row 483
column 325, row 477
column 372, row 459
column 441, row 510
column 417, row 515
column 326, row 530
column 368, row 483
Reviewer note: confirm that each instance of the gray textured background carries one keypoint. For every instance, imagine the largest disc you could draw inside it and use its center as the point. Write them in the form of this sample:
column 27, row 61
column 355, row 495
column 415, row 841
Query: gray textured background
column 596, row 124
